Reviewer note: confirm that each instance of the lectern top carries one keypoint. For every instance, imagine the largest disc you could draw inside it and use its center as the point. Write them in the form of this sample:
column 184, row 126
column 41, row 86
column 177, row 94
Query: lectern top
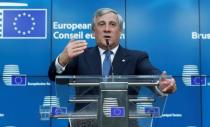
column 95, row 80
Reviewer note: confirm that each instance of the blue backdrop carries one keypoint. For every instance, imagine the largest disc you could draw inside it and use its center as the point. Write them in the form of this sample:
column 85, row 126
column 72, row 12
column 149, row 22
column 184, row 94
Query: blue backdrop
column 175, row 34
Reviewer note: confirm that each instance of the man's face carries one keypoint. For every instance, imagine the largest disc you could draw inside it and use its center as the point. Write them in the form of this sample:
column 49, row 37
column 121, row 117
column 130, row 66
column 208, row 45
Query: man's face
column 107, row 27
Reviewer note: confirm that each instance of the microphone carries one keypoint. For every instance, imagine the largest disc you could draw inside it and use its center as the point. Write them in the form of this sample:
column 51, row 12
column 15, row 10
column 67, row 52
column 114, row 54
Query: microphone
column 107, row 44
column 108, row 48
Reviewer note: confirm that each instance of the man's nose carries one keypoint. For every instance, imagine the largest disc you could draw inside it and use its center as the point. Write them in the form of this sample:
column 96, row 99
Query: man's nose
column 107, row 29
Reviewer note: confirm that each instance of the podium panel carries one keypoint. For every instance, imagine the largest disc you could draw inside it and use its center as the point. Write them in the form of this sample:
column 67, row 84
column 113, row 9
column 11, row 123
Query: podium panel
column 117, row 100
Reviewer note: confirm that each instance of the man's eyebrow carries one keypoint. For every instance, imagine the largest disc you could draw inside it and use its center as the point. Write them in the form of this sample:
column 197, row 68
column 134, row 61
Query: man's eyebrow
column 101, row 21
column 113, row 21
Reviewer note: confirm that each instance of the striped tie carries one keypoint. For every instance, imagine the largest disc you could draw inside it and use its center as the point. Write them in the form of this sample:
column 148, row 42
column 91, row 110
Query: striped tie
column 107, row 64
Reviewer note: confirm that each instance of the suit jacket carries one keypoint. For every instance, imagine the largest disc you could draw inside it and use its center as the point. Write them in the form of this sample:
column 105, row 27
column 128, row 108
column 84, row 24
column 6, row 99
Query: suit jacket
column 125, row 62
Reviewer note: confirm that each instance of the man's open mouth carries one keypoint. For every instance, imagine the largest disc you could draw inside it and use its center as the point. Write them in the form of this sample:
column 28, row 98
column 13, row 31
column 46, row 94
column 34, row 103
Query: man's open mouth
column 107, row 37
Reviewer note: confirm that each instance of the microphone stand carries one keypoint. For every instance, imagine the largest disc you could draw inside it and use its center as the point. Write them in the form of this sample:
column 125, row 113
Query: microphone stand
column 108, row 48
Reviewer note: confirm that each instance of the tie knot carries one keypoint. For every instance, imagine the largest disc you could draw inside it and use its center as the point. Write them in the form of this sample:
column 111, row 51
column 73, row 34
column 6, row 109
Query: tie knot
column 108, row 52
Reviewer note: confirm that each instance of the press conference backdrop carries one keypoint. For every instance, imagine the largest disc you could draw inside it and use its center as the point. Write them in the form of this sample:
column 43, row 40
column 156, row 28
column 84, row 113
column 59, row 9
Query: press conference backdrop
column 175, row 33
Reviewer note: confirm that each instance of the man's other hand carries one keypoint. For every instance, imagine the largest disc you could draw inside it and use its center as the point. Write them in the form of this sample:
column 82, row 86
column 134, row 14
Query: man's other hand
column 167, row 85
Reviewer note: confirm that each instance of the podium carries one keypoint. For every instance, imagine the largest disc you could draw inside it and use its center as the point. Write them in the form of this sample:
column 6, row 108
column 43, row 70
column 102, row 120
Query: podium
column 113, row 101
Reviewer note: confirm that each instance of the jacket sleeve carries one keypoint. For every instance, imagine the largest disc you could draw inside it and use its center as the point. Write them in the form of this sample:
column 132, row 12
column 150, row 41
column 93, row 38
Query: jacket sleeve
column 71, row 69
column 144, row 66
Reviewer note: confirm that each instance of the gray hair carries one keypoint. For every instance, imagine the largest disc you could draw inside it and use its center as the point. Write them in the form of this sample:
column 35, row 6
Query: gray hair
column 102, row 11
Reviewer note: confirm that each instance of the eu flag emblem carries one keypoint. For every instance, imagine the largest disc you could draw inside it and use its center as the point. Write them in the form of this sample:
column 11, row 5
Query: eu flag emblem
column 23, row 23
column 117, row 111
column 59, row 110
column 154, row 111
column 18, row 80
column 198, row 80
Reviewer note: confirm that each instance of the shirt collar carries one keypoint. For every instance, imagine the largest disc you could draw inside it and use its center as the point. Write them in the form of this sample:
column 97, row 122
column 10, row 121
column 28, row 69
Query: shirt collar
column 114, row 50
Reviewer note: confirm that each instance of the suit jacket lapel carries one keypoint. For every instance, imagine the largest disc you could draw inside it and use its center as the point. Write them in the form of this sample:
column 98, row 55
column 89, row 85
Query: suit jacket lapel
column 94, row 61
column 119, row 61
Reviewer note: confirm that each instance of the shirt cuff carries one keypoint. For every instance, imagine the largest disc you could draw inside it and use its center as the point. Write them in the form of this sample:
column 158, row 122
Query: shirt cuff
column 59, row 67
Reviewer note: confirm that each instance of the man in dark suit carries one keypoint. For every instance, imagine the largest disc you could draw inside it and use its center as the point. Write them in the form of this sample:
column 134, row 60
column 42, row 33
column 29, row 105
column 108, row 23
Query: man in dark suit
column 77, row 59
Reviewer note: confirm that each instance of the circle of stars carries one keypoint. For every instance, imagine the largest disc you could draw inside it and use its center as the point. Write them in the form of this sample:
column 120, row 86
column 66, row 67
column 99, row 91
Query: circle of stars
column 33, row 23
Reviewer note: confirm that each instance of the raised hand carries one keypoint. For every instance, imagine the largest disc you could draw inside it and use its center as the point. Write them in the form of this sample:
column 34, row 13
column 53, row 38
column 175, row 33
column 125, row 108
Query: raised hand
column 72, row 49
